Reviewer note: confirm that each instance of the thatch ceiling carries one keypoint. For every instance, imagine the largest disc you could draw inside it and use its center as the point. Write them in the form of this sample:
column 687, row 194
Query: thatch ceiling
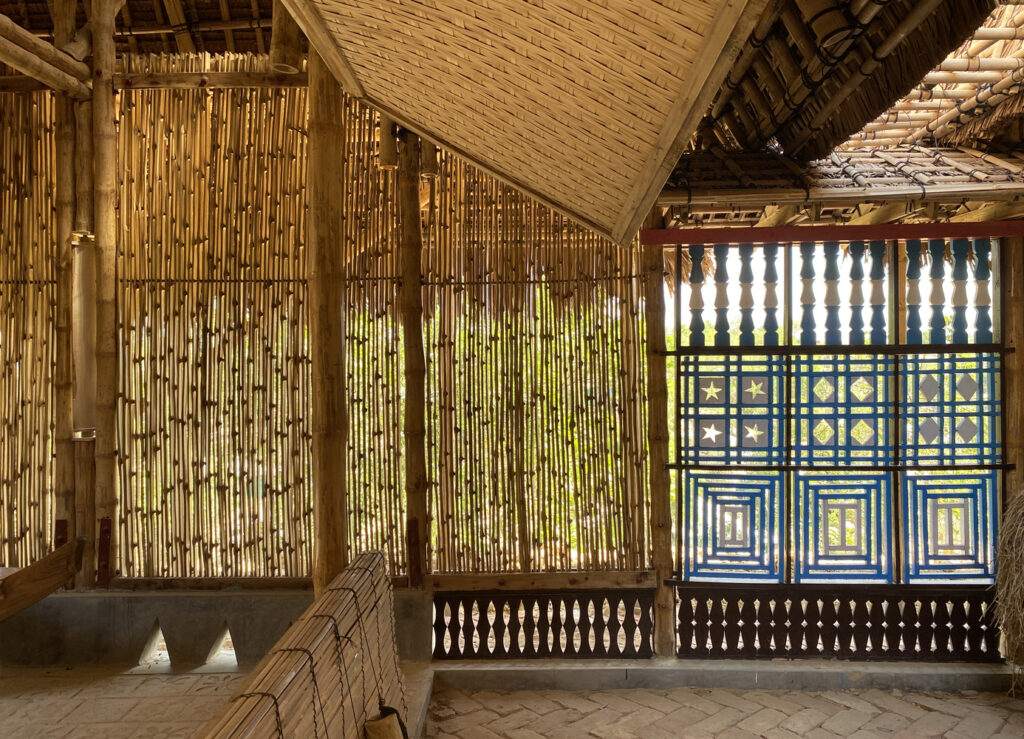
column 970, row 97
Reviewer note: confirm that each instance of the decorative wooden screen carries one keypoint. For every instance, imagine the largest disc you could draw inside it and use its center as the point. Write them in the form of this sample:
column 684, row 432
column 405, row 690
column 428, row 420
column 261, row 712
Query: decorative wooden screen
column 578, row 624
column 838, row 411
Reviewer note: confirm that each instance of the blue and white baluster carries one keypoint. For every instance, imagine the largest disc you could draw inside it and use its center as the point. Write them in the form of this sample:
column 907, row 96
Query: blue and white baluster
column 937, row 247
column 857, row 292
column 914, row 292
column 959, row 291
column 696, row 296
column 833, row 335
column 746, row 295
column 771, row 295
column 721, row 295
column 807, row 332
column 982, row 296
column 878, row 292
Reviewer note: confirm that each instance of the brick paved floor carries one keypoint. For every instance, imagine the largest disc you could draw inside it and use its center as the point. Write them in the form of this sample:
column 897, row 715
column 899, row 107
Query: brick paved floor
column 107, row 703
column 697, row 712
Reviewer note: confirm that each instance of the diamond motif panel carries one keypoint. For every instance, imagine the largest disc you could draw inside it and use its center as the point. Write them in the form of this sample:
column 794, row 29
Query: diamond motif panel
column 951, row 409
column 732, row 410
column 950, row 528
column 735, row 526
column 843, row 527
column 842, row 410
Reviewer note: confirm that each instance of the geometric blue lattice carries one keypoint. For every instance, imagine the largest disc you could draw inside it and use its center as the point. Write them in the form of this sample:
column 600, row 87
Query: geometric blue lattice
column 734, row 526
column 950, row 408
column 732, row 410
column 949, row 525
column 842, row 410
column 843, row 527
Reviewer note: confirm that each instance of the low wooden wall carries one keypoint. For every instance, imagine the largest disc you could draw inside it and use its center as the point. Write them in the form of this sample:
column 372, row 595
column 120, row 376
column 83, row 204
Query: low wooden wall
column 331, row 670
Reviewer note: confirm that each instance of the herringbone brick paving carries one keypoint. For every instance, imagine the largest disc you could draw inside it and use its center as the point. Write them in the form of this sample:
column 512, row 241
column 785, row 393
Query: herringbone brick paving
column 699, row 712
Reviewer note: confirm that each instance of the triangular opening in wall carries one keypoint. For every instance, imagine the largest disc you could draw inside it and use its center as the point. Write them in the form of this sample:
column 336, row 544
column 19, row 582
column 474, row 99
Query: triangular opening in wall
column 155, row 650
column 223, row 652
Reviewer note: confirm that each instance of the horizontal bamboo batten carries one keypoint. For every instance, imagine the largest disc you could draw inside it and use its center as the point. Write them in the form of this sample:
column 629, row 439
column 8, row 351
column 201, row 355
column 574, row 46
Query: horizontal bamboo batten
column 28, row 253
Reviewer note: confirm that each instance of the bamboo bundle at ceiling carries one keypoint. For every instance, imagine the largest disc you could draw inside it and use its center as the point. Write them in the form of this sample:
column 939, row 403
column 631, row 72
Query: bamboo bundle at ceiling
column 978, row 87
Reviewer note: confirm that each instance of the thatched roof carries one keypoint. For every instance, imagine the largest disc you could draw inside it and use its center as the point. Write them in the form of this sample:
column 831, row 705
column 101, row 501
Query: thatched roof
column 746, row 187
column 968, row 98
column 587, row 105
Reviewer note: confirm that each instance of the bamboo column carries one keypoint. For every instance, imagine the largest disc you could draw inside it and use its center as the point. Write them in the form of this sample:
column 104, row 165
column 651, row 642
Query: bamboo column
column 64, row 463
column 285, row 50
column 410, row 301
column 84, row 345
column 657, row 440
column 105, row 203
column 327, row 335
column 1011, row 273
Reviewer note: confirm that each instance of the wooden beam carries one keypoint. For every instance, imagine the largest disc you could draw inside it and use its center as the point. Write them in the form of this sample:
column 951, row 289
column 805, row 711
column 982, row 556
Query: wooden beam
column 207, row 80
column 104, row 112
column 882, row 214
column 309, row 20
column 20, row 83
column 410, row 300
column 285, row 42
column 223, row 583
column 45, row 52
column 657, row 442
column 388, row 148
column 1010, row 273
column 732, row 24
column 31, row 584
column 63, row 381
column 27, row 63
column 176, row 17
column 526, row 581
column 792, row 234
column 326, row 331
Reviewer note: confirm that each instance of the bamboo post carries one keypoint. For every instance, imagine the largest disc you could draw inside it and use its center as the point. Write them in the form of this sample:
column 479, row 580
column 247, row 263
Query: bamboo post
column 327, row 337
column 388, row 145
column 64, row 463
column 285, row 50
column 84, row 345
column 1011, row 273
column 411, row 307
column 657, row 440
column 105, row 203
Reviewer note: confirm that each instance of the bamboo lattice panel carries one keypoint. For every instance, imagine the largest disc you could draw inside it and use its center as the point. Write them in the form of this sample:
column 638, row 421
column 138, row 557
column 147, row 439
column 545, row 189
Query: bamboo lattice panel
column 572, row 101
column 27, row 302
column 536, row 387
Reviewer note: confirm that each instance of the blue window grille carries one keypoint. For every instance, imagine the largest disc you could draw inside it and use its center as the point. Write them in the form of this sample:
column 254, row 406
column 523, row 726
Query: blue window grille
column 802, row 457
column 737, row 528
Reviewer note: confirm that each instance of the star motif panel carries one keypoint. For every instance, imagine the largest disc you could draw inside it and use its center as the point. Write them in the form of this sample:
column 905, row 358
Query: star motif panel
column 843, row 527
column 732, row 410
column 736, row 526
column 842, row 410
column 951, row 409
column 951, row 525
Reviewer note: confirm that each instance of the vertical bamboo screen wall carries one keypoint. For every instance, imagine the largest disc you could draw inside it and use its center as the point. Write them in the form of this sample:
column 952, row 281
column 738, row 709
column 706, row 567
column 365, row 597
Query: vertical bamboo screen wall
column 535, row 362
column 535, row 382
column 27, row 301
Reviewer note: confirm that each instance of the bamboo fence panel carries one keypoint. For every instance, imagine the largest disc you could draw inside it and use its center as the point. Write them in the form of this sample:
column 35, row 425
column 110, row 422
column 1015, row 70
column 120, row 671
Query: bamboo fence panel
column 27, row 325
column 536, row 391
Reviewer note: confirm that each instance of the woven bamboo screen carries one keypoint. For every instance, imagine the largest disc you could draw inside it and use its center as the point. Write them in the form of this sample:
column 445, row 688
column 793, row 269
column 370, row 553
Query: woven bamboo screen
column 27, row 299
column 216, row 436
column 536, row 387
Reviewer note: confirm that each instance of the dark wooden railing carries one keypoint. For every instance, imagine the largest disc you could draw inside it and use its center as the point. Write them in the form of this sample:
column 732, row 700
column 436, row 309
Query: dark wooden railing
column 857, row 622
column 520, row 625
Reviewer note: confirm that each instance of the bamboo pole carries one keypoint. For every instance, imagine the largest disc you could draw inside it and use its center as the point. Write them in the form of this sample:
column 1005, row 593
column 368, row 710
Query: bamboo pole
column 28, row 63
column 105, row 204
column 1011, row 274
column 44, row 52
column 84, row 345
column 657, row 441
column 64, row 465
column 411, row 305
column 327, row 337
column 285, row 49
